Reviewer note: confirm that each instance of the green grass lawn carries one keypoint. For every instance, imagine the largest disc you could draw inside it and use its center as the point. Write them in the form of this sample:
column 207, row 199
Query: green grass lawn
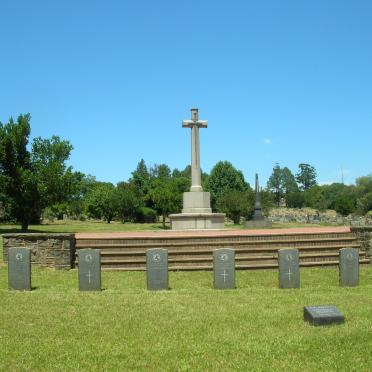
column 191, row 327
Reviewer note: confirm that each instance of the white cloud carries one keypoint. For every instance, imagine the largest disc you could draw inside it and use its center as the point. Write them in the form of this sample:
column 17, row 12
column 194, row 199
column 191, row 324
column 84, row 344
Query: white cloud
column 268, row 141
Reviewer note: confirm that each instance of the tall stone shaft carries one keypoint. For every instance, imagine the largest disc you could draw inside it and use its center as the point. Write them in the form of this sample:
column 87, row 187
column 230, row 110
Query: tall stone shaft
column 195, row 160
column 195, row 124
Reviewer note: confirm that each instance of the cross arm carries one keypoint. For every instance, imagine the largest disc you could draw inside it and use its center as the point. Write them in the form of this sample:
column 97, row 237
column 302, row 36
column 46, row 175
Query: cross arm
column 191, row 123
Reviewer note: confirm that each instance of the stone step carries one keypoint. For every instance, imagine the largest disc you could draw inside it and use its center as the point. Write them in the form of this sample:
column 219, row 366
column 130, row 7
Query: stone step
column 238, row 267
column 106, row 243
column 209, row 257
column 187, row 252
column 195, row 252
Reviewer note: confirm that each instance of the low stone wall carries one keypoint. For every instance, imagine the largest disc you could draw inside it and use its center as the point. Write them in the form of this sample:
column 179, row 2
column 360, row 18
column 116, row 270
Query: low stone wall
column 309, row 215
column 52, row 250
column 364, row 236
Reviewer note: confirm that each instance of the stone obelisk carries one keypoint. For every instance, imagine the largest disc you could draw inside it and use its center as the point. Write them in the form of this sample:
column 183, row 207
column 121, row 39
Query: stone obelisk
column 258, row 219
column 196, row 212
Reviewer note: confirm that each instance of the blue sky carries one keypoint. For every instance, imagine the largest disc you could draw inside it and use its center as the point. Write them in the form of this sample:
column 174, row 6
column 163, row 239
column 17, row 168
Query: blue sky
column 278, row 81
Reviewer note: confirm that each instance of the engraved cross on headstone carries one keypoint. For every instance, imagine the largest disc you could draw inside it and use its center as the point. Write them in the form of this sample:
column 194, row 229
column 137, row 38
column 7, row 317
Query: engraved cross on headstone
column 289, row 274
column 195, row 124
column 224, row 274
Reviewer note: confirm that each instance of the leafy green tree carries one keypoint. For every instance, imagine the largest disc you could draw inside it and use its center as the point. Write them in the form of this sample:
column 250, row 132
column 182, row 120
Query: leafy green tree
column 56, row 182
column 340, row 197
column 224, row 178
column 289, row 185
column 128, row 201
column 102, row 201
column 17, row 174
column 236, row 204
column 141, row 178
column 306, row 176
column 314, row 198
column 275, row 184
column 364, row 194
column 166, row 198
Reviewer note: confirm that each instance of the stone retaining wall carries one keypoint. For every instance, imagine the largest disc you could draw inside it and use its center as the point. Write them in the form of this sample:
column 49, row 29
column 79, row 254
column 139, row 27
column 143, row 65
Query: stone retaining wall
column 52, row 250
column 364, row 236
column 313, row 216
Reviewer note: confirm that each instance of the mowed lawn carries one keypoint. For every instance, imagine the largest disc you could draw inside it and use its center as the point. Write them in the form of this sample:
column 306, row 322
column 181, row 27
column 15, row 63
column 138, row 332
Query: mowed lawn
column 190, row 327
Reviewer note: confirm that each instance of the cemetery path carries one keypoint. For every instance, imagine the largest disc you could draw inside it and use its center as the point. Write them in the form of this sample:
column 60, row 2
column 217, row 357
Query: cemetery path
column 212, row 233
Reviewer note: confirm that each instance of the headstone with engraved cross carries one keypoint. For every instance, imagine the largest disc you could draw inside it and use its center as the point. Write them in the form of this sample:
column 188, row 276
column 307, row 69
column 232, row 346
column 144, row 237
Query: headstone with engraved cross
column 89, row 269
column 157, row 269
column 224, row 268
column 289, row 268
column 19, row 269
column 349, row 267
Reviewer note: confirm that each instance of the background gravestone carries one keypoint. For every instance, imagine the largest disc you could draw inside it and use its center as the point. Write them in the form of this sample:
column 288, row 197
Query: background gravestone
column 289, row 268
column 19, row 269
column 89, row 269
column 157, row 268
column 349, row 267
column 224, row 268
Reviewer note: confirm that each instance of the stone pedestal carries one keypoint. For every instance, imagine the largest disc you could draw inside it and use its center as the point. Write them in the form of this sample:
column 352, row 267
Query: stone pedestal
column 197, row 221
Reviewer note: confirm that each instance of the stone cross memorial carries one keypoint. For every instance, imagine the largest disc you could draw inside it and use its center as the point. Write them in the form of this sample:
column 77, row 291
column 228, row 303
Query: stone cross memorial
column 349, row 267
column 196, row 212
column 19, row 269
column 89, row 269
column 323, row 315
column 289, row 268
column 224, row 268
column 157, row 269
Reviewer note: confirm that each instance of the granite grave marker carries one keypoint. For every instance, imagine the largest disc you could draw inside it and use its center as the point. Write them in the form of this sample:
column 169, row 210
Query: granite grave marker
column 19, row 269
column 323, row 315
column 224, row 268
column 289, row 268
column 349, row 267
column 157, row 269
column 89, row 269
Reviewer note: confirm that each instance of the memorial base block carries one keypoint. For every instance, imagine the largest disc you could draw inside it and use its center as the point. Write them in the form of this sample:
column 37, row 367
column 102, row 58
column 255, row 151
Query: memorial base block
column 323, row 315
column 197, row 221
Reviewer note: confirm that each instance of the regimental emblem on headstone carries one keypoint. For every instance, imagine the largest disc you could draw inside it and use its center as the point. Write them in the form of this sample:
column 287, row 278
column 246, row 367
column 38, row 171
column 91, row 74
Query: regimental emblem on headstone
column 19, row 269
column 349, row 267
column 224, row 268
column 323, row 315
column 89, row 269
column 289, row 268
column 157, row 269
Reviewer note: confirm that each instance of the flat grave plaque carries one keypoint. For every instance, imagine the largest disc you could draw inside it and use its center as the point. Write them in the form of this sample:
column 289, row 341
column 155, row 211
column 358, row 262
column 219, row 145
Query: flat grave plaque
column 224, row 268
column 289, row 268
column 157, row 269
column 349, row 267
column 89, row 269
column 19, row 269
column 323, row 315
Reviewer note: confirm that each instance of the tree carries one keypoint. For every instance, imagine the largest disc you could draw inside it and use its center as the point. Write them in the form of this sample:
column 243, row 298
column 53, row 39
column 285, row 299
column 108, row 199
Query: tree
column 364, row 194
column 141, row 178
column 289, row 186
column 224, row 178
column 55, row 181
column 101, row 201
column 306, row 176
column 17, row 174
column 314, row 198
column 166, row 198
column 236, row 204
column 275, row 184
column 128, row 201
